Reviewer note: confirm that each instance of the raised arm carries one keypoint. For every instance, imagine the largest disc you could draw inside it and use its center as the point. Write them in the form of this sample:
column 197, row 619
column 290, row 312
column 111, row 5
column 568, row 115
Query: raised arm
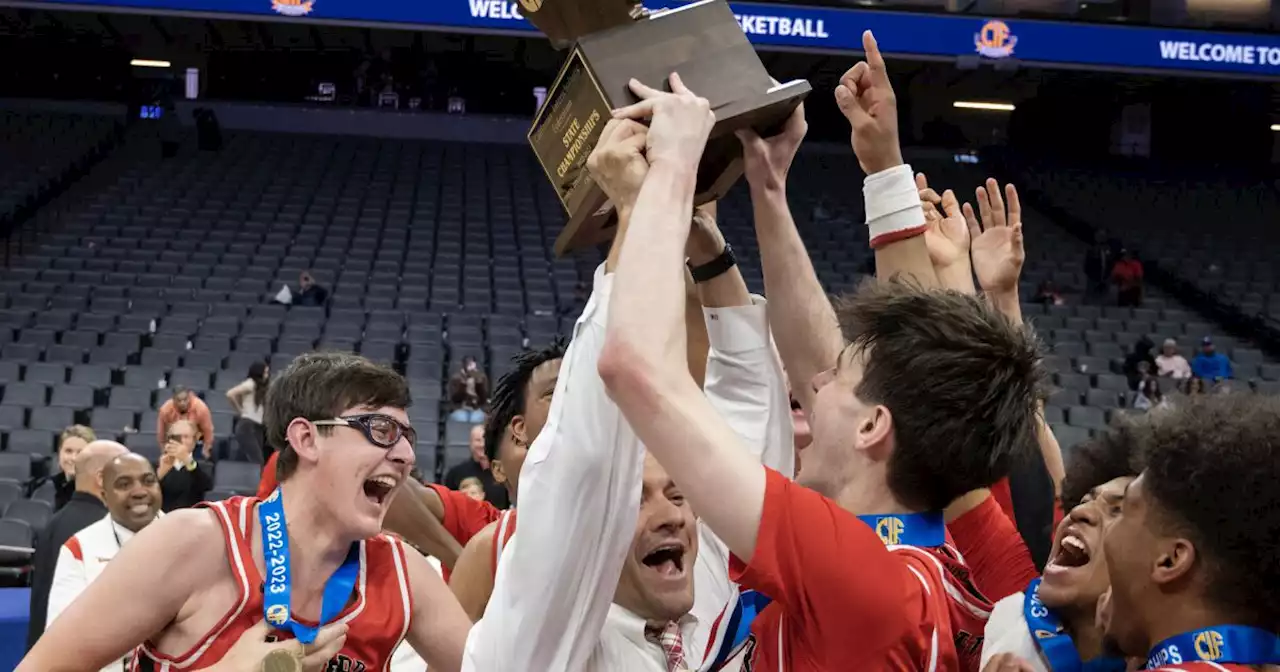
column 894, row 217
column 800, row 312
column 417, row 514
column 579, row 486
column 643, row 365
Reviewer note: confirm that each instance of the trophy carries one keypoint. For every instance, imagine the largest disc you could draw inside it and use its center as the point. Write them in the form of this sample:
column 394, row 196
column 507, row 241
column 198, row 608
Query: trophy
column 616, row 40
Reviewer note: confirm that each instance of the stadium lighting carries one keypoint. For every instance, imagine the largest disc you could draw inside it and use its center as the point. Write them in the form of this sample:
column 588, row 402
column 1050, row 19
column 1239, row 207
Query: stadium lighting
column 994, row 107
column 146, row 63
column 1275, row 127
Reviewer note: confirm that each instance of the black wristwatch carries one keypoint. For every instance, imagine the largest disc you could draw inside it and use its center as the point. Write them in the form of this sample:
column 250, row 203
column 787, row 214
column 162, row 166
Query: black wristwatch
column 716, row 267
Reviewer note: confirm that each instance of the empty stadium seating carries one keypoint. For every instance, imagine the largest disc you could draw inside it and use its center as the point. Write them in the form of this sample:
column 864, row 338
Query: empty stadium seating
column 162, row 274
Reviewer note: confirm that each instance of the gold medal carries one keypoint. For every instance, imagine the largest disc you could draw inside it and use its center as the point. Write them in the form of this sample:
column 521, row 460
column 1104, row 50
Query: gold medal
column 281, row 661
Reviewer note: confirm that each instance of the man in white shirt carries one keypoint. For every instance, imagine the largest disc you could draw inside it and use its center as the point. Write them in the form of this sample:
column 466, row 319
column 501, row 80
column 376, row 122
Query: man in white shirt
column 1171, row 363
column 587, row 583
column 132, row 495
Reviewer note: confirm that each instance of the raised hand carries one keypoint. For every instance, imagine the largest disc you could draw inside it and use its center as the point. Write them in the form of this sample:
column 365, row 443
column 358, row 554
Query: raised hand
column 706, row 242
column 997, row 247
column 618, row 164
column 866, row 98
column 948, row 235
column 767, row 162
column 680, row 123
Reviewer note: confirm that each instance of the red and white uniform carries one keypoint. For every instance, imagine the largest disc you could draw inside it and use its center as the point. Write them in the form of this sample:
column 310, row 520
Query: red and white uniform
column 506, row 528
column 377, row 617
column 842, row 600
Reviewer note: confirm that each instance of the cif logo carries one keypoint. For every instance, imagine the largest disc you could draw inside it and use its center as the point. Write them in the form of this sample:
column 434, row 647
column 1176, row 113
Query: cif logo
column 995, row 40
column 889, row 529
column 277, row 614
column 531, row 6
column 292, row 7
column 1209, row 645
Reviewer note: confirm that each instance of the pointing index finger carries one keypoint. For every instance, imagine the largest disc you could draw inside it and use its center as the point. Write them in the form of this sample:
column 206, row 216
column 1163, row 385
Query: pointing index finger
column 677, row 84
column 874, row 58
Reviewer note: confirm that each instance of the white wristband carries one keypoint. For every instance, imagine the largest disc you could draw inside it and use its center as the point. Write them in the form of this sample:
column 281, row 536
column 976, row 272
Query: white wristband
column 893, row 206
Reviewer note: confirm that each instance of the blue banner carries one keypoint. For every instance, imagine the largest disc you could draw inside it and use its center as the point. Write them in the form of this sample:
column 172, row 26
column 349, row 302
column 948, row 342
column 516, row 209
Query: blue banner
column 772, row 25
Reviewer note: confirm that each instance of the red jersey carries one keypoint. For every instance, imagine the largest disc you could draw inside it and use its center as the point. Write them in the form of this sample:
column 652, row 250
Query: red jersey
column 506, row 528
column 994, row 551
column 377, row 618
column 842, row 600
column 464, row 517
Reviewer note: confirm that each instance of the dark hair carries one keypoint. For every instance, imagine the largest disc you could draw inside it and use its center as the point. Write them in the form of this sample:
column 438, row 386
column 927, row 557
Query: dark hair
column 508, row 397
column 258, row 374
column 1212, row 469
column 1115, row 453
column 181, row 389
column 961, row 381
column 321, row 385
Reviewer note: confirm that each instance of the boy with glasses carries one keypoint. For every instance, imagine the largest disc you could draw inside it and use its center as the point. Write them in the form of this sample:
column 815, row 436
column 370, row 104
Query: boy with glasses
column 309, row 558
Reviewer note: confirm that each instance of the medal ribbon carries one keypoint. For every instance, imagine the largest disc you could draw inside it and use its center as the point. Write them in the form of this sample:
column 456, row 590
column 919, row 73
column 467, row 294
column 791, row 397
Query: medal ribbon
column 279, row 589
column 1055, row 645
column 925, row 530
column 1232, row 644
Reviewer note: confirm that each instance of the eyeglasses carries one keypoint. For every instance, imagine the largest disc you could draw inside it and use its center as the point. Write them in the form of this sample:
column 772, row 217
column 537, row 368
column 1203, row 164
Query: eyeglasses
column 381, row 430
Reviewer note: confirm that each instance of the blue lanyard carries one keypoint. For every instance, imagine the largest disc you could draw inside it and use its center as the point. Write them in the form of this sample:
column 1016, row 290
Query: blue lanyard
column 738, row 628
column 1055, row 645
column 279, row 588
column 1236, row 644
column 925, row 530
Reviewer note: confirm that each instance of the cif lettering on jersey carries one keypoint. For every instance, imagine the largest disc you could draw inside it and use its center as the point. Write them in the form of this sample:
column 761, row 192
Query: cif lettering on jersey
column 293, row 7
column 1209, row 645
column 277, row 614
column 995, row 40
column 889, row 529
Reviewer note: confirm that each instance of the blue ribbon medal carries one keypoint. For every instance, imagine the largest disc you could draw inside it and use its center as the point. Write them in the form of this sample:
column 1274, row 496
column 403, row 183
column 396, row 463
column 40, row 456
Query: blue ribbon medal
column 1230, row 644
column 1055, row 645
column 279, row 588
column 925, row 530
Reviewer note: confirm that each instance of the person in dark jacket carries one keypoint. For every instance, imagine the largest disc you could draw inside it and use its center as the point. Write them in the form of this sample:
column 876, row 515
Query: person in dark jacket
column 84, row 509
column 1097, row 267
column 70, row 443
column 1140, row 363
column 183, row 480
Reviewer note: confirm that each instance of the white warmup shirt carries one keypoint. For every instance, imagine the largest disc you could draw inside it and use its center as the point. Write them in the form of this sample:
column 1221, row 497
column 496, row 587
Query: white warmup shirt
column 551, row 607
column 1007, row 632
column 80, row 561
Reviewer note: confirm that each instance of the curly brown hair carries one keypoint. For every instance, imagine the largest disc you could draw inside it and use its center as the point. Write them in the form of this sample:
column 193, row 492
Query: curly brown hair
column 1110, row 455
column 962, row 382
column 1212, row 469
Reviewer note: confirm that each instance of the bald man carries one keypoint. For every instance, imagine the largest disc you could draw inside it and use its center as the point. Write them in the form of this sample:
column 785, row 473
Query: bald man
column 131, row 492
column 84, row 509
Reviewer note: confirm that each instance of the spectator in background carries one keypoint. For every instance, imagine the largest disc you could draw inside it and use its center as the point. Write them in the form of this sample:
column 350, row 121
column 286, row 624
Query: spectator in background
column 1139, row 363
column 1127, row 275
column 132, row 496
column 473, row 488
column 1047, row 294
column 183, row 480
column 84, row 509
column 1097, row 267
column 1149, row 395
column 469, row 392
column 185, row 406
column 478, row 468
column 1170, row 363
column 1210, row 364
column 1193, row 387
column 247, row 401
column 70, row 443
column 310, row 293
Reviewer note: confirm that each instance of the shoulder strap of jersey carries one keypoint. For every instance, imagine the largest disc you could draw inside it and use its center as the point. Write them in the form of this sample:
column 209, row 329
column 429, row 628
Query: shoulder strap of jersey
column 506, row 528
